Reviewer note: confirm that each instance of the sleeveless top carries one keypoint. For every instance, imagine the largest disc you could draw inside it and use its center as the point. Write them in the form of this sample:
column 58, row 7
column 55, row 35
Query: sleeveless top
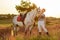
column 41, row 17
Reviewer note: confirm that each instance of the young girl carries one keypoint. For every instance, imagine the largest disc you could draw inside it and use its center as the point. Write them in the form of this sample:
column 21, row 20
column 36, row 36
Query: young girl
column 41, row 22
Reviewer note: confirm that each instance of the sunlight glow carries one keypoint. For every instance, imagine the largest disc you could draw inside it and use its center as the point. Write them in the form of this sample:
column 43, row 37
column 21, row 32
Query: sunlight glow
column 52, row 6
column 8, row 6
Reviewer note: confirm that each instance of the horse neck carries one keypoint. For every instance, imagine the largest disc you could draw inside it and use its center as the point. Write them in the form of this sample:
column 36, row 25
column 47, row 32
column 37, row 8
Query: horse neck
column 25, row 15
column 35, row 12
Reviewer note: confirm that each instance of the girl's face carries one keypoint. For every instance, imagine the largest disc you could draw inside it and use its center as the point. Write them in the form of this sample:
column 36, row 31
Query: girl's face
column 43, row 10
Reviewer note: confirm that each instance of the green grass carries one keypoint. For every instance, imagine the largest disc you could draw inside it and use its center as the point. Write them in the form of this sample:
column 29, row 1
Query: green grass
column 39, row 38
column 5, row 25
column 5, row 21
column 19, row 38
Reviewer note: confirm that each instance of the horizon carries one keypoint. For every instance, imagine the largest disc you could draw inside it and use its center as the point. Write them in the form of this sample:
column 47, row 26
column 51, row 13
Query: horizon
column 17, row 14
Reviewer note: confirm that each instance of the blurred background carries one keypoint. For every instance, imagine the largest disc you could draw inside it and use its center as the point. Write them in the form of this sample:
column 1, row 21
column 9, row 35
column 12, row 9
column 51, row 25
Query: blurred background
column 11, row 8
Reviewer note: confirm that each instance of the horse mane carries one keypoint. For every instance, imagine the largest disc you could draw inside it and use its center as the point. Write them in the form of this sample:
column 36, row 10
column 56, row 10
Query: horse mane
column 25, row 15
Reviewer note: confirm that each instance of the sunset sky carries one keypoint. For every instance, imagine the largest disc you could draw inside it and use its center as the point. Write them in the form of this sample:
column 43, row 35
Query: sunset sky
column 52, row 6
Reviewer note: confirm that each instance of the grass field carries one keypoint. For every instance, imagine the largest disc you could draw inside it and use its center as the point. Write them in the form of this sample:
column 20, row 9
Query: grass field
column 54, row 31
column 52, row 25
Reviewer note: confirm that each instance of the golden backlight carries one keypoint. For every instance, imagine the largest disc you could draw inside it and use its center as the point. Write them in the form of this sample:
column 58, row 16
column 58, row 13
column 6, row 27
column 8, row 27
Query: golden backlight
column 52, row 6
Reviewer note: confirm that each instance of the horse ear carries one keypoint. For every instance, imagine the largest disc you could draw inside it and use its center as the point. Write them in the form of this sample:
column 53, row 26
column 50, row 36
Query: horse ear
column 38, row 8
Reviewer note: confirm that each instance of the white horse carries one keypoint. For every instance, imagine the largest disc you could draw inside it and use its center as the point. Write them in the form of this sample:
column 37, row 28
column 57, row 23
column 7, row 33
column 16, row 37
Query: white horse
column 29, row 20
column 16, row 25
